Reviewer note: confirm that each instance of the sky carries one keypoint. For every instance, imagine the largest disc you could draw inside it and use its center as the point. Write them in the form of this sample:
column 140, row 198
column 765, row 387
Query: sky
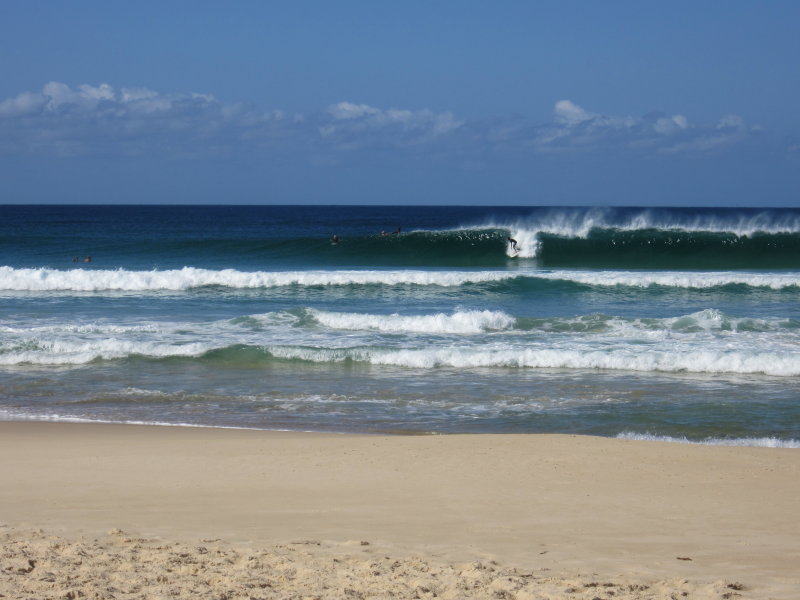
column 450, row 102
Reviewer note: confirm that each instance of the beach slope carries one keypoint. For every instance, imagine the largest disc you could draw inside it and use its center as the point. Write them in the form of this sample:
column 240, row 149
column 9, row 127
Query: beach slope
column 137, row 511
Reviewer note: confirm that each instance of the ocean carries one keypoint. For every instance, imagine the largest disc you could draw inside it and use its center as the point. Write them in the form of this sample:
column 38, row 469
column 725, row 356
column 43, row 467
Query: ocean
column 645, row 323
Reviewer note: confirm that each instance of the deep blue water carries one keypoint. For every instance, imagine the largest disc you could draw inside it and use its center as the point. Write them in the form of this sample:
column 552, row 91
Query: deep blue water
column 627, row 321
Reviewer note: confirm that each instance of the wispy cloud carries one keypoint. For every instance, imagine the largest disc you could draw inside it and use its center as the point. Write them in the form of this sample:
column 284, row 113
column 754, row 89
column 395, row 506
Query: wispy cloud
column 574, row 128
column 353, row 126
column 60, row 120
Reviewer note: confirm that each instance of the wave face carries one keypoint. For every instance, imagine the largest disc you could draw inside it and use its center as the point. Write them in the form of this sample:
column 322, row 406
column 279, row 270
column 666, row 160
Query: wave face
column 675, row 324
column 660, row 238
column 165, row 238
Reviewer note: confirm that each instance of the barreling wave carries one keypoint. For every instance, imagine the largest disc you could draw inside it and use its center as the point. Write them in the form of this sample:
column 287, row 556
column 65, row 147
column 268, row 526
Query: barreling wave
column 576, row 239
column 658, row 238
column 190, row 278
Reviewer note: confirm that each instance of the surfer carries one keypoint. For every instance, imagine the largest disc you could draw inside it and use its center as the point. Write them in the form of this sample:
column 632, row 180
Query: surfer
column 335, row 239
column 513, row 243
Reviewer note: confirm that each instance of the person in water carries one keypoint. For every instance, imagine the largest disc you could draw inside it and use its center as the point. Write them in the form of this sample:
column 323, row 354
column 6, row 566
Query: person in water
column 513, row 243
column 335, row 239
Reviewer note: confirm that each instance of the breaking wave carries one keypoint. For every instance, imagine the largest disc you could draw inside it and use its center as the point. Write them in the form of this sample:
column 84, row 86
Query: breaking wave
column 190, row 278
column 459, row 322
column 778, row 363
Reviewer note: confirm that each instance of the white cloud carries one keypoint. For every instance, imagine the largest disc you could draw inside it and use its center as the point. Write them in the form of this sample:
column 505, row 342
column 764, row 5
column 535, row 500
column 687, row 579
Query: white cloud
column 21, row 105
column 61, row 120
column 670, row 125
column 347, row 110
column 575, row 129
column 731, row 122
column 570, row 113
column 359, row 125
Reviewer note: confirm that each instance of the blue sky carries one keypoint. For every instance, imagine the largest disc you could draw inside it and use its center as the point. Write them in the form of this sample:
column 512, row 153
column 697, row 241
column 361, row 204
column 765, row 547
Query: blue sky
column 581, row 103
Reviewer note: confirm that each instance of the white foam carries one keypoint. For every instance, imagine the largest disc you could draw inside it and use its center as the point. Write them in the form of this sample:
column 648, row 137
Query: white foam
column 74, row 352
column 8, row 415
column 624, row 358
column 459, row 322
column 82, row 280
column 89, row 328
column 764, row 442
column 187, row 278
column 674, row 279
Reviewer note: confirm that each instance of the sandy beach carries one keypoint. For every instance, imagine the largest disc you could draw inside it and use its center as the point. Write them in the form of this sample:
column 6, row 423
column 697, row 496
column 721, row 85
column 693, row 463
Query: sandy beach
column 112, row 511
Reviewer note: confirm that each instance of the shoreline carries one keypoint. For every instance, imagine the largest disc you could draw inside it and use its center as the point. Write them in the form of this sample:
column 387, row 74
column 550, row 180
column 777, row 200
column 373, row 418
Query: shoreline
column 630, row 436
column 602, row 507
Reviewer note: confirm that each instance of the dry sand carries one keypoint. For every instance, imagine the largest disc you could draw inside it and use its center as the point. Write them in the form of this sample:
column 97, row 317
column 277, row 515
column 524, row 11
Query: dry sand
column 107, row 511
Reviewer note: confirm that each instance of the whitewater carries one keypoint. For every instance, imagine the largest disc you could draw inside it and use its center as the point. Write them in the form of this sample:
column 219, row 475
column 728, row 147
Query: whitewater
column 650, row 323
column 187, row 278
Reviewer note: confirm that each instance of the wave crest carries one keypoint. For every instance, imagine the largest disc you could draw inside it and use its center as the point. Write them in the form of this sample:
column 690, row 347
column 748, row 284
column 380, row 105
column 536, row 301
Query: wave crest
column 459, row 322
column 189, row 278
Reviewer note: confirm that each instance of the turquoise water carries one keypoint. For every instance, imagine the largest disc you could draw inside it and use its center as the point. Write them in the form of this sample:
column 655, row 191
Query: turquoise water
column 677, row 323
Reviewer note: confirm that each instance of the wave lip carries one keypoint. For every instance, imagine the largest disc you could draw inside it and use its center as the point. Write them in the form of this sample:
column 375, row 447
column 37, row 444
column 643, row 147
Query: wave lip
column 582, row 224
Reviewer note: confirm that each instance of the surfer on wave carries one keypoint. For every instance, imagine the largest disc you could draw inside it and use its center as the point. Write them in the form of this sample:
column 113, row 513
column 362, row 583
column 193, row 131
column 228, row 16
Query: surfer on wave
column 513, row 244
